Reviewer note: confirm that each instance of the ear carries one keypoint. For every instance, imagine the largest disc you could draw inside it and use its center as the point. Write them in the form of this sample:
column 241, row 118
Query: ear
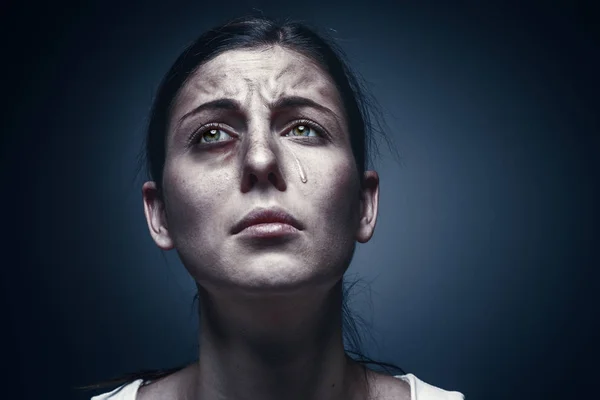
column 369, row 203
column 156, row 217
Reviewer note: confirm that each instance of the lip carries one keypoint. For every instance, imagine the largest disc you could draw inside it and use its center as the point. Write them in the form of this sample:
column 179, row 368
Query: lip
column 271, row 221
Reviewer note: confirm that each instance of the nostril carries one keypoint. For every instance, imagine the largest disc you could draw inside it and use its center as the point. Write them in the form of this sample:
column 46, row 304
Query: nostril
column 273, row 178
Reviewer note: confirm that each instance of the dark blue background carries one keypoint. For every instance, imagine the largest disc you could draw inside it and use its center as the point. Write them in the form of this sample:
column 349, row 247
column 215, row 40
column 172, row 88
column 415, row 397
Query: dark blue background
column 481, row 274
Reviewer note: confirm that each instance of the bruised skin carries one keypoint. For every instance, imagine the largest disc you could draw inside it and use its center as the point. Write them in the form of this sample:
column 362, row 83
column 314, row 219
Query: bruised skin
column 271, row 312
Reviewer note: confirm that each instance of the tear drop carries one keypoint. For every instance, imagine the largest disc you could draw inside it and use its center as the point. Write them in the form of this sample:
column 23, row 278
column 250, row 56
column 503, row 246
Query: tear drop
column 300, row 168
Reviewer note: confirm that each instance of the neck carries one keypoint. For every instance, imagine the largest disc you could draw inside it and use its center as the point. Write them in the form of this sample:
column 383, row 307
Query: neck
column 281, row 347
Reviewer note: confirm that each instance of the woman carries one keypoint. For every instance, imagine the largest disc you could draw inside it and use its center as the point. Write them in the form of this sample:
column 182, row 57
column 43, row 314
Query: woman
column 257, row 150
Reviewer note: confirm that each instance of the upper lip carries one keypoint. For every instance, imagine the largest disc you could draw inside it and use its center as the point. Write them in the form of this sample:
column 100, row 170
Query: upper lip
column 266, row 215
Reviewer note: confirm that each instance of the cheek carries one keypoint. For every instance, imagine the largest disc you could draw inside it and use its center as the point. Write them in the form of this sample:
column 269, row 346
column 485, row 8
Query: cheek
column 336, row 210
column 193, row 201
column 338, row 197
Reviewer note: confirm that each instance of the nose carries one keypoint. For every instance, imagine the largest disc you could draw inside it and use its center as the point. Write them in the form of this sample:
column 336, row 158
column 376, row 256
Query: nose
column 261, row 164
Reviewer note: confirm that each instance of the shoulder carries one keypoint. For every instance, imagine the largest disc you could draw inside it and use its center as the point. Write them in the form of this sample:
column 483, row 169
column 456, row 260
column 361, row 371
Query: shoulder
column 386, row 387
column 171, row 386
column 124, row 392
column 168, row 387
column 420, row 390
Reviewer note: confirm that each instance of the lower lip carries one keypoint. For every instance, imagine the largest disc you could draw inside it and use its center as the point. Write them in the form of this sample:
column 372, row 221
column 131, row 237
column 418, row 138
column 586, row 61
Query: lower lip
column 269, row 230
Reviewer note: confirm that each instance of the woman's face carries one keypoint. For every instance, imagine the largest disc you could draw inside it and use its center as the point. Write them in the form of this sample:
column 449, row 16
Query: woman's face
column 245, row 131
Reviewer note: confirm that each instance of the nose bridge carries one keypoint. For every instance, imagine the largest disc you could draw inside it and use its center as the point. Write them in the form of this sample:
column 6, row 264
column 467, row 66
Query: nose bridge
column 261, row 158
column 260, row 141
column 260, row 146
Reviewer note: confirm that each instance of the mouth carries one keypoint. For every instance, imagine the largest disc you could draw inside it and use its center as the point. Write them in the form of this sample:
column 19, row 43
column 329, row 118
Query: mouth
column 267, row 222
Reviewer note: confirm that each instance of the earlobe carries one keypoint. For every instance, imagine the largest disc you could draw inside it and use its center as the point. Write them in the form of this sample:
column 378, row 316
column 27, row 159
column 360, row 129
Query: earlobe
column 154, row 210
column 369, row 206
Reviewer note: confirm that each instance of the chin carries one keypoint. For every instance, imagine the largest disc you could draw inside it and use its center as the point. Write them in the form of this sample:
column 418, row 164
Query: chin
column 279, row 277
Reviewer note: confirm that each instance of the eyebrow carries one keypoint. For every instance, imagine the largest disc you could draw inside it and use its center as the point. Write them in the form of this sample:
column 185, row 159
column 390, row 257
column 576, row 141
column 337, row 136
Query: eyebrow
column 219, row 104
column 234, row 105
column 298, row 101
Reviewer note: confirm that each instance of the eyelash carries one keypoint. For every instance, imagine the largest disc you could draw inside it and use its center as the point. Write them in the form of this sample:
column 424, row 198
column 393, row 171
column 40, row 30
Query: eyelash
column 197, row 134
column 319, row 130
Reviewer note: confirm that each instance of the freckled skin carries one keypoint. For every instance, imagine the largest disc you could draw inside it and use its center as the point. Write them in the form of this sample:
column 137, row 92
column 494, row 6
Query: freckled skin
column 271, row 313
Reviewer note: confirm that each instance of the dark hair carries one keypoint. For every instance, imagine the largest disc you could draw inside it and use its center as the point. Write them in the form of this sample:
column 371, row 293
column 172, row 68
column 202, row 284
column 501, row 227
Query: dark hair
column 363, row 121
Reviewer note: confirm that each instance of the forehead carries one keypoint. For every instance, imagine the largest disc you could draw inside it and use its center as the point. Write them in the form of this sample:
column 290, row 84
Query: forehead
column 264, row 73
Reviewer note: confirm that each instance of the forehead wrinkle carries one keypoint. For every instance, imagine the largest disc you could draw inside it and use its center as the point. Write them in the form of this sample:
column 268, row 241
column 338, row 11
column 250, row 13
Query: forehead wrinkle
column 304, row 77
column 324, row 90
column 306, row 84
column 250, row 85
column 309, row 75
column 205, row 84
column 298, row 75
column 303, row 80
column 290, row 68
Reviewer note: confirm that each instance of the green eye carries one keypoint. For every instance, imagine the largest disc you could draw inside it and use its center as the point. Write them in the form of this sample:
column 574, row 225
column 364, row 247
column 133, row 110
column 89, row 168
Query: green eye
column 303, row 130
column 213, row 135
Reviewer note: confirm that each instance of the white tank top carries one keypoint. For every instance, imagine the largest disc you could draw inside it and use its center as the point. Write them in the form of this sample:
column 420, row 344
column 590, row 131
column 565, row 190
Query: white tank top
column 419, row 390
